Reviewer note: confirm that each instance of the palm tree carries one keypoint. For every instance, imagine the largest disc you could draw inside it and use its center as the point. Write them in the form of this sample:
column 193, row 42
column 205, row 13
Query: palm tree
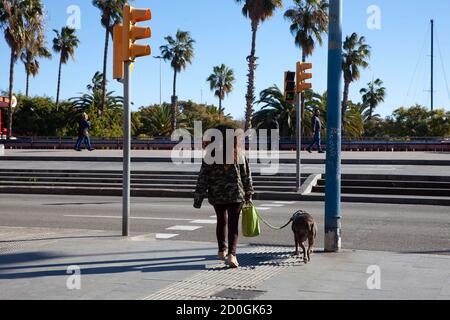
column 221, row 81
column 356, row 54
column 354, row 122
column 373, row 95
column 180, row 53
column 275, row 107
column 22, row 20
column 157, row 120
column 64, row 43
column 111, row 11
column 309, row 22
column 93, row 99
column 34, row 50
column 257, row 11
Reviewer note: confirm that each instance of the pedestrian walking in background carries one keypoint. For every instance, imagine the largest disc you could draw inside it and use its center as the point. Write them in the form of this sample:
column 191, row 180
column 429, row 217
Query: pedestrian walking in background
column 228, row 186
column 316, row 125
column 83, row 133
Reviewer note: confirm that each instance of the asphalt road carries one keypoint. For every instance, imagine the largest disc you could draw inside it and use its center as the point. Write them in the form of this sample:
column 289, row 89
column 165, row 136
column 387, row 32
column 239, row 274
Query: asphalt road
column 396, row 228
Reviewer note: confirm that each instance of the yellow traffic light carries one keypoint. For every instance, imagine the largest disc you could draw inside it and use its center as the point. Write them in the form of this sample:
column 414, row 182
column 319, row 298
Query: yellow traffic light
column 118, row 69
column 131, row 33
column 302, row 76
column 289, row 87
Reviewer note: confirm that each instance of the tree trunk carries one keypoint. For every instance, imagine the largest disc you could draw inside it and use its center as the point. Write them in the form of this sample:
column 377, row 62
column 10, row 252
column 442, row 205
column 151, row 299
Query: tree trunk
column 220, row 100
column 371, row 108
column 27, row 72
column 10, row 93
column 27, row 90
column 174, row 101
column 59, row 84
column 105, row 65
column 344, row 103
column 250, row 97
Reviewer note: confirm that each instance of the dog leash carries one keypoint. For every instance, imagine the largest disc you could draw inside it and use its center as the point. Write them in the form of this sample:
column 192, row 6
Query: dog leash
column 279, row 228
column 271, row 226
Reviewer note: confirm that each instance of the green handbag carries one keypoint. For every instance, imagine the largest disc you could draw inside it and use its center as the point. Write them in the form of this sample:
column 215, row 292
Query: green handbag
column 250, row 221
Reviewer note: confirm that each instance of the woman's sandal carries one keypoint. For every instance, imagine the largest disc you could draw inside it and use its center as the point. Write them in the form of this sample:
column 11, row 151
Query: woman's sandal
column 232, row 261
column 223, row 255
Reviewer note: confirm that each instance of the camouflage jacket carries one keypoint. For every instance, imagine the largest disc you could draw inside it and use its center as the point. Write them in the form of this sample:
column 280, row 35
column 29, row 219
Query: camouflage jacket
column 224, row 184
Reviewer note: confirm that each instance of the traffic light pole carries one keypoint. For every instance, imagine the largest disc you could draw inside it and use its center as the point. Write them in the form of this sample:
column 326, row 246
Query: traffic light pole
column 334, row 133
column 126, row 151
column 126, row 51
column 298, row 137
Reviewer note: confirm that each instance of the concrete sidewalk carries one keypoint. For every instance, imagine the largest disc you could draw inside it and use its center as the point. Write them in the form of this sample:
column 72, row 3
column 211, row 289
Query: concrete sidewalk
column 34, row 264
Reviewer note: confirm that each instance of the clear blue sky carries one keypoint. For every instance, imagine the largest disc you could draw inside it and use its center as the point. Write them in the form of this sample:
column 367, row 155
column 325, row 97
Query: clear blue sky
column 223, row 36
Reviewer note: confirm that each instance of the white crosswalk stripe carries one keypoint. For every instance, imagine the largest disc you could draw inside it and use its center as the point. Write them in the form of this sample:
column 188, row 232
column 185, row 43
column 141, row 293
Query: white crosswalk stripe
column 183, row 228
column 165, row 236
column 285, row 202
column 274, row 205
column 204, row 221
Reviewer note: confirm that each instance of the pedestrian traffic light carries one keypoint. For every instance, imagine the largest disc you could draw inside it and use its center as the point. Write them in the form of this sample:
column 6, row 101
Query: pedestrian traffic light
column 289, row 87
column 131, row 33
column 302, row 76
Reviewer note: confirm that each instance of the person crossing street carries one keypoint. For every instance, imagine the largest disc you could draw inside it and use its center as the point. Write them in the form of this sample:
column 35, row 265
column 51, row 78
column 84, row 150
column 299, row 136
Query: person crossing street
column 228, row 184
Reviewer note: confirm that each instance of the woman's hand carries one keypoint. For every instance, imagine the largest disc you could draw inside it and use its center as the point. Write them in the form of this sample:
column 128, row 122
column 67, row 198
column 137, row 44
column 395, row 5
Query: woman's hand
column 248, row 198
column 198, row 202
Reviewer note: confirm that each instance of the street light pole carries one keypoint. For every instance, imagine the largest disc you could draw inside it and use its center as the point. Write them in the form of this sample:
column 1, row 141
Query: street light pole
column 160, row 78
column 432, row 65
column 334, row 133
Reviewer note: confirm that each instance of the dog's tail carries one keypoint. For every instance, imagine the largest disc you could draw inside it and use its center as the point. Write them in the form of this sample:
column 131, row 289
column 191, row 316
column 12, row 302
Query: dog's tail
column 313, row 229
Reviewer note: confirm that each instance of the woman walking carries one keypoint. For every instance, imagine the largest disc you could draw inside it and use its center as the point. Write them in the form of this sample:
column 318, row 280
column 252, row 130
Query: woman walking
column 227, row 182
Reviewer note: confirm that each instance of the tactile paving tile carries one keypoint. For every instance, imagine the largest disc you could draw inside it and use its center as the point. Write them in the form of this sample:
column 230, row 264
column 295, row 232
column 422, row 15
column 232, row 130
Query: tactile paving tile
column 257, row 265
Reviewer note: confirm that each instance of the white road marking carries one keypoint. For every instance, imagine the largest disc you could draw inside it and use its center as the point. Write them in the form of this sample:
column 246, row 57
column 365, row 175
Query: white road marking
column 204, row 221
column 273, row 205
column 183, row 228
column 215, row 217
column 165, row 236
column 262, row 208
column 120, row 217
column 285, row 202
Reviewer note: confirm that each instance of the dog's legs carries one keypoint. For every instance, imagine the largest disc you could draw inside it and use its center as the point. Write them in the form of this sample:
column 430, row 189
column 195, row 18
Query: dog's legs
column 310, row 250
column 297, row 253
column 304, row 253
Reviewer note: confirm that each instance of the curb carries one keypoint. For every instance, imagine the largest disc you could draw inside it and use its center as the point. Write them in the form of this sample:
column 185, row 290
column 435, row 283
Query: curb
column 170, row 193
column 310, row 183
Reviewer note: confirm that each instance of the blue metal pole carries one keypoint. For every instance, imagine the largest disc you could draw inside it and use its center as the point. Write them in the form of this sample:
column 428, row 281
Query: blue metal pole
column 334, row 133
